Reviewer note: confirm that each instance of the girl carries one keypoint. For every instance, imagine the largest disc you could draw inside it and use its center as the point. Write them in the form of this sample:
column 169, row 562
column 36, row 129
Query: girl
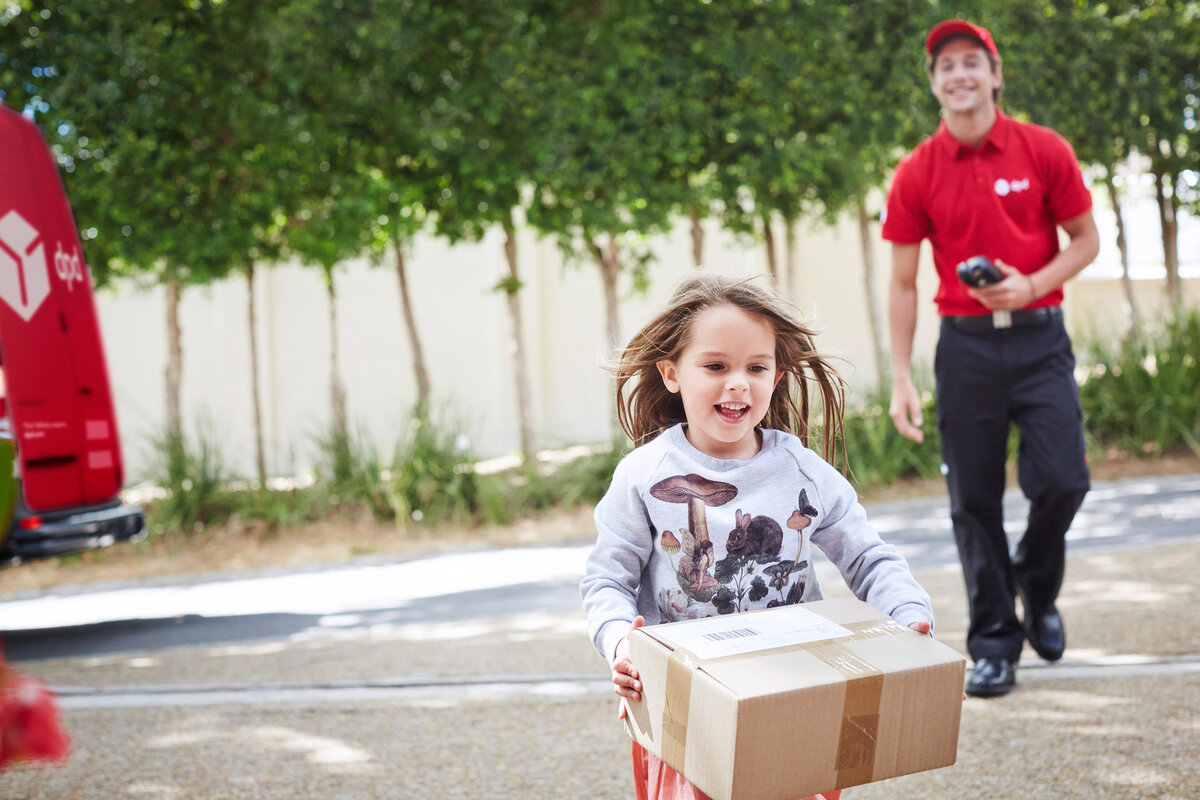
column 716, row 508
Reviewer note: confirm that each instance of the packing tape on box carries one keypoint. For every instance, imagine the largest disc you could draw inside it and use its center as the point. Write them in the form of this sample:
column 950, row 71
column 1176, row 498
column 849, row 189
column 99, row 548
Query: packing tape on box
column 680, row 667
column 860, row 714
column 860, row 710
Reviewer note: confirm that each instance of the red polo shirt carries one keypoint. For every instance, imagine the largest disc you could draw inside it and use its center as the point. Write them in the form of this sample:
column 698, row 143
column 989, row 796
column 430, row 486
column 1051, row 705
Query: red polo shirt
column 1004, row 200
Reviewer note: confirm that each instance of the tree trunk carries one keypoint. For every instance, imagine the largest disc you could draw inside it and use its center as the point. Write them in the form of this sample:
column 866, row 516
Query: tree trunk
column 174, row 371
column 1164, row 184
column 789, row 256
column 520, row 371
column 260, row 459
column 697, row 236
column 874, row 309
column 1133, row 321
column 337, row 390
column 420, row 371
column 769, row 243
column 609, row 262
column 608, row 259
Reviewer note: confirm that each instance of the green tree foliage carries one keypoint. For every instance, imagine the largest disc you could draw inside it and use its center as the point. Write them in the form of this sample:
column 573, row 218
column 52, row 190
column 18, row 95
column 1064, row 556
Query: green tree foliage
column 1113, row 78
column 1088, row 61
column 485, row 109
column 194, row 130
column 601, row 184
column 172, row 147
column 198, row 137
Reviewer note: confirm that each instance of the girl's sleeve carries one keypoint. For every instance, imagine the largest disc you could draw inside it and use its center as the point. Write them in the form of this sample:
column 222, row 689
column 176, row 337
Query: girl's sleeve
column 872, row 568
column 614, row 569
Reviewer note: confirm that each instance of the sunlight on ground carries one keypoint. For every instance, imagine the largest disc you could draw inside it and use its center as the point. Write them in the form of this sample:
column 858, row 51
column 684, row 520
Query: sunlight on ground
column 1115, row 731
column 325, row 592
column 143, row 662
column 1050, row 706
column 1107, row 659
column 264, row 649
column 1081, row 701
column 1085, row 592
column 183, row 739
column 1132, row 774
column 1042, row 715
column 158, row 791
column 315, row 749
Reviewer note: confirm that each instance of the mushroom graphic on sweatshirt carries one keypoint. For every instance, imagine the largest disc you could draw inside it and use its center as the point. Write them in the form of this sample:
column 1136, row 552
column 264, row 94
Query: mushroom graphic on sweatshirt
column 670, row 544
column 801, row 518
column 695, row 545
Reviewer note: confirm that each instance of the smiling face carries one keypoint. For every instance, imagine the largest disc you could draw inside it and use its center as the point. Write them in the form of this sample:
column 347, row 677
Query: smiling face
column 725, row 376
column 963, row 79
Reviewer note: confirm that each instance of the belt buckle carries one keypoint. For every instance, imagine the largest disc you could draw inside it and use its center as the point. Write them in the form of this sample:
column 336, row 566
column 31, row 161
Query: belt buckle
column 1001, row 319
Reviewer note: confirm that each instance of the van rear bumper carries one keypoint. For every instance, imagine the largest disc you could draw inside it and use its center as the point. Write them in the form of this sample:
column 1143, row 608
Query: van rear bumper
column 44, row 535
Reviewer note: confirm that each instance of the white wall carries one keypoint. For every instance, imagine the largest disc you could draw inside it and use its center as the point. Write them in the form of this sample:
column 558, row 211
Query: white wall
column 464, row 327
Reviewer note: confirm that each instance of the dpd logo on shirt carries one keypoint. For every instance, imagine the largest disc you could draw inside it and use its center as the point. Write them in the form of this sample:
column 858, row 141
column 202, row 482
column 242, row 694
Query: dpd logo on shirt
column 1003, row 187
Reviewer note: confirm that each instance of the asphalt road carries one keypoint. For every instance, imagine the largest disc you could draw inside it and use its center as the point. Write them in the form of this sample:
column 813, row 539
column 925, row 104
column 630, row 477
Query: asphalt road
column 485, row 584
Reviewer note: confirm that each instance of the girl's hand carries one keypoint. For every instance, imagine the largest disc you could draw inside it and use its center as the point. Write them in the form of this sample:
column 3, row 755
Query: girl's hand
column 624, row 675
column 923, row 627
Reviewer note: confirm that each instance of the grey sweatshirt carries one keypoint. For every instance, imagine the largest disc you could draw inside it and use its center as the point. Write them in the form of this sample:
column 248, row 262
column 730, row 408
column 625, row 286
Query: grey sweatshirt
column 682, row 535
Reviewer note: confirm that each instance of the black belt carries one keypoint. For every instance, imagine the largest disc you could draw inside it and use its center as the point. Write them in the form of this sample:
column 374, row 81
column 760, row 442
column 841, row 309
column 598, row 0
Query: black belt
column 998, row 320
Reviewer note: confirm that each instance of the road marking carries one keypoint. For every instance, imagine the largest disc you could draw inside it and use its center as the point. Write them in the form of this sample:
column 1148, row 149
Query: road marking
column 425, row 689
column 498, row 687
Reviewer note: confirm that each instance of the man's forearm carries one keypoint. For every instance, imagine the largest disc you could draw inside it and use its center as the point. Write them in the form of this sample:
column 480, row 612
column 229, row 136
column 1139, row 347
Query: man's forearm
column 902, row 322
column 1079, row 252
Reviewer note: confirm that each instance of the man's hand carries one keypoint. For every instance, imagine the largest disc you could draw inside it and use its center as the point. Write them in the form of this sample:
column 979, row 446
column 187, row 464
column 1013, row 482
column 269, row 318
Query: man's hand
column 905, row 409
column 1016, row 291
column 624, row 674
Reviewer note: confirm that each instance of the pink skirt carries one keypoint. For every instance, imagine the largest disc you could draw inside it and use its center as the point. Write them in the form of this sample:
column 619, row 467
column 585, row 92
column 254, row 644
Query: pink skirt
column 656, row 781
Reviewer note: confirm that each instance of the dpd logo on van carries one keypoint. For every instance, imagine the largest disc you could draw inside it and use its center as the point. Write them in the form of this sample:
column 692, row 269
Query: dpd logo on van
column 24, row 280
column 68, row 268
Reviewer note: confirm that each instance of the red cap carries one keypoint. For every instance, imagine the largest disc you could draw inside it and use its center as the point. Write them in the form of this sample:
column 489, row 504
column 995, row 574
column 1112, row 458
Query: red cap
column 953, row 26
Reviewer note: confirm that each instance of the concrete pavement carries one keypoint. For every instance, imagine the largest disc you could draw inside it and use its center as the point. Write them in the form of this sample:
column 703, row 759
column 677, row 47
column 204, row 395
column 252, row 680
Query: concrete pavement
column 517, row 704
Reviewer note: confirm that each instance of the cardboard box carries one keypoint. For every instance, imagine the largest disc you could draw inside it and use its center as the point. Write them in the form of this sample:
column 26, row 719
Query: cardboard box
column 791, row 701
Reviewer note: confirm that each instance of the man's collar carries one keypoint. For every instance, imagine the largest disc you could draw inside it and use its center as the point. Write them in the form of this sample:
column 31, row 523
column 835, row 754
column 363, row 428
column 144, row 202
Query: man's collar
column 997, row 138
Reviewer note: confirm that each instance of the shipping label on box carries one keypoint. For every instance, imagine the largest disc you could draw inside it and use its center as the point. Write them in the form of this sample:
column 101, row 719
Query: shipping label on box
column 791, row 701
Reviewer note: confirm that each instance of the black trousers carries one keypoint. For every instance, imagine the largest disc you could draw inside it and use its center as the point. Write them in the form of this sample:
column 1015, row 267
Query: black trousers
column 988, row 380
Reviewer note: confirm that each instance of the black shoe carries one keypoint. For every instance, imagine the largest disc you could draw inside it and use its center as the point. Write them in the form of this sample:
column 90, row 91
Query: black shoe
column 992, row 677
column 1044, row 630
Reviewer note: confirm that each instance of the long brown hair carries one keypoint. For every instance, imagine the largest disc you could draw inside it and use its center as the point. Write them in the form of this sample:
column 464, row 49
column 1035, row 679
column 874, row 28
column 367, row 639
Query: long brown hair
column 648, row 408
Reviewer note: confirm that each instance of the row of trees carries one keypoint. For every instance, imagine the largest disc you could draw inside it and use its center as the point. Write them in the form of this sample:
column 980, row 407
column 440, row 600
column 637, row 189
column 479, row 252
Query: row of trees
column 206, row 138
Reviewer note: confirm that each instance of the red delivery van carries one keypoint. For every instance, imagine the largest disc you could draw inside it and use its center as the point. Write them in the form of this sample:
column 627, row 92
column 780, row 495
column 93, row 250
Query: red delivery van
column 60, row 455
